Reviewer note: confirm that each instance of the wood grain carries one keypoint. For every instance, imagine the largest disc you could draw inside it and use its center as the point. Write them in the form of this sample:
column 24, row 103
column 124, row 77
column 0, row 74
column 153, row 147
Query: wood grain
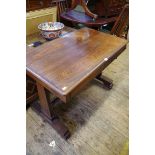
column 66, row 64
column 98, row 119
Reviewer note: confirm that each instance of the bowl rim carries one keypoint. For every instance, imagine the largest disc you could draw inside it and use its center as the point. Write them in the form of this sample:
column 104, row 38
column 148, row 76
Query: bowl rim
column 51, row 30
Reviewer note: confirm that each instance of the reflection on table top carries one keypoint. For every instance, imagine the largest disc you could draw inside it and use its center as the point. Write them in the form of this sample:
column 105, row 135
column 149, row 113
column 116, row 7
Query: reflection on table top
column 65, row 63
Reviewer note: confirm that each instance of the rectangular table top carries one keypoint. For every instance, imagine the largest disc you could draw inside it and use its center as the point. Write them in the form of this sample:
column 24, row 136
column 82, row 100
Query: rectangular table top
column 63, row 64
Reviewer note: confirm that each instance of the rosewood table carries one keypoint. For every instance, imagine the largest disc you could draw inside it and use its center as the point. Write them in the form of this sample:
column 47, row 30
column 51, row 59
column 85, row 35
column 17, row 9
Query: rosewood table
column 65, row 65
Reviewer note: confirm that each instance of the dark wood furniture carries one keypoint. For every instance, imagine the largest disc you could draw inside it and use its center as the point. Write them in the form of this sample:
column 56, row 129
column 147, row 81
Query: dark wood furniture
column 106, row 8
column 102, row 12
column 121, row 26
column 65, row 65
column 38, row 4
column 31, row 88
column 62, row 6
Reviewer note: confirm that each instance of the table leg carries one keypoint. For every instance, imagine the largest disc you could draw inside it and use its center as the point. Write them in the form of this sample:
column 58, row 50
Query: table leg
column 46, row 111
column 107, row 83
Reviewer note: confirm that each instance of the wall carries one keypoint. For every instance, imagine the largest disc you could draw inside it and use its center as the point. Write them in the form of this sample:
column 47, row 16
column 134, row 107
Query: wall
column 34, row 18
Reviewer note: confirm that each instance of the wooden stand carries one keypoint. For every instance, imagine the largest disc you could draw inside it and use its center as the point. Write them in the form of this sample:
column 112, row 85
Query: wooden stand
column 72, row 80
column 106, row 82
column 46, row 111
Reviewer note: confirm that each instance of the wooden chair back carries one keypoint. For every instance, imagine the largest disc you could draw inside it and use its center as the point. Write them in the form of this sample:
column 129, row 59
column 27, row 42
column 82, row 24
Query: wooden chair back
column 62, row 6
column 122, row 23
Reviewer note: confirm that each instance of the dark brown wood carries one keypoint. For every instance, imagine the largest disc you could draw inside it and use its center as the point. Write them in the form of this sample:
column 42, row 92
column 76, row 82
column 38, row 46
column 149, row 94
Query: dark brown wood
column 97, row 119
column 80, row 17
column 38, row 4
column 94, row 117
column 47, row 112
column 31, row 98
column 65, row 64
column 31, row 90
column 85, row 17
column 121, row 26
column 107, row 8
column 43, row 101
column 62, row 6
column 106, row 82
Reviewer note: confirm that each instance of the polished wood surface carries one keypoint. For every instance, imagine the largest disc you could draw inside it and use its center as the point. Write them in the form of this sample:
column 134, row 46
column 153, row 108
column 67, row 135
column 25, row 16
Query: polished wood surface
column 66, row 64
column 80, row 17
column 31, row 88
column 86, row 16
column 98, row 119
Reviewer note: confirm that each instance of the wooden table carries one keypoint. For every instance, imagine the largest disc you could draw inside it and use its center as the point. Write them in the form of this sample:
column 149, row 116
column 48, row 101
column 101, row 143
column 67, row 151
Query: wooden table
column 31, row 91
column 65, row 65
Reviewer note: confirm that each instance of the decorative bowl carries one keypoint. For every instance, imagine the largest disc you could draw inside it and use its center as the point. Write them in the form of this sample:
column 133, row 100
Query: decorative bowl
column 51, row 30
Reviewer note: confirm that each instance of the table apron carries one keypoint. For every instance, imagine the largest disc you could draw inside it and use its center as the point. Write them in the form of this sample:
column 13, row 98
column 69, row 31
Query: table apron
column 62, row 97
column 94, row 74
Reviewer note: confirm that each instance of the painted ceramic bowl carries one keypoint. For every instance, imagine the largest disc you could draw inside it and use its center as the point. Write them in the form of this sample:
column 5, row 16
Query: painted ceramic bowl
column 51, row 30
